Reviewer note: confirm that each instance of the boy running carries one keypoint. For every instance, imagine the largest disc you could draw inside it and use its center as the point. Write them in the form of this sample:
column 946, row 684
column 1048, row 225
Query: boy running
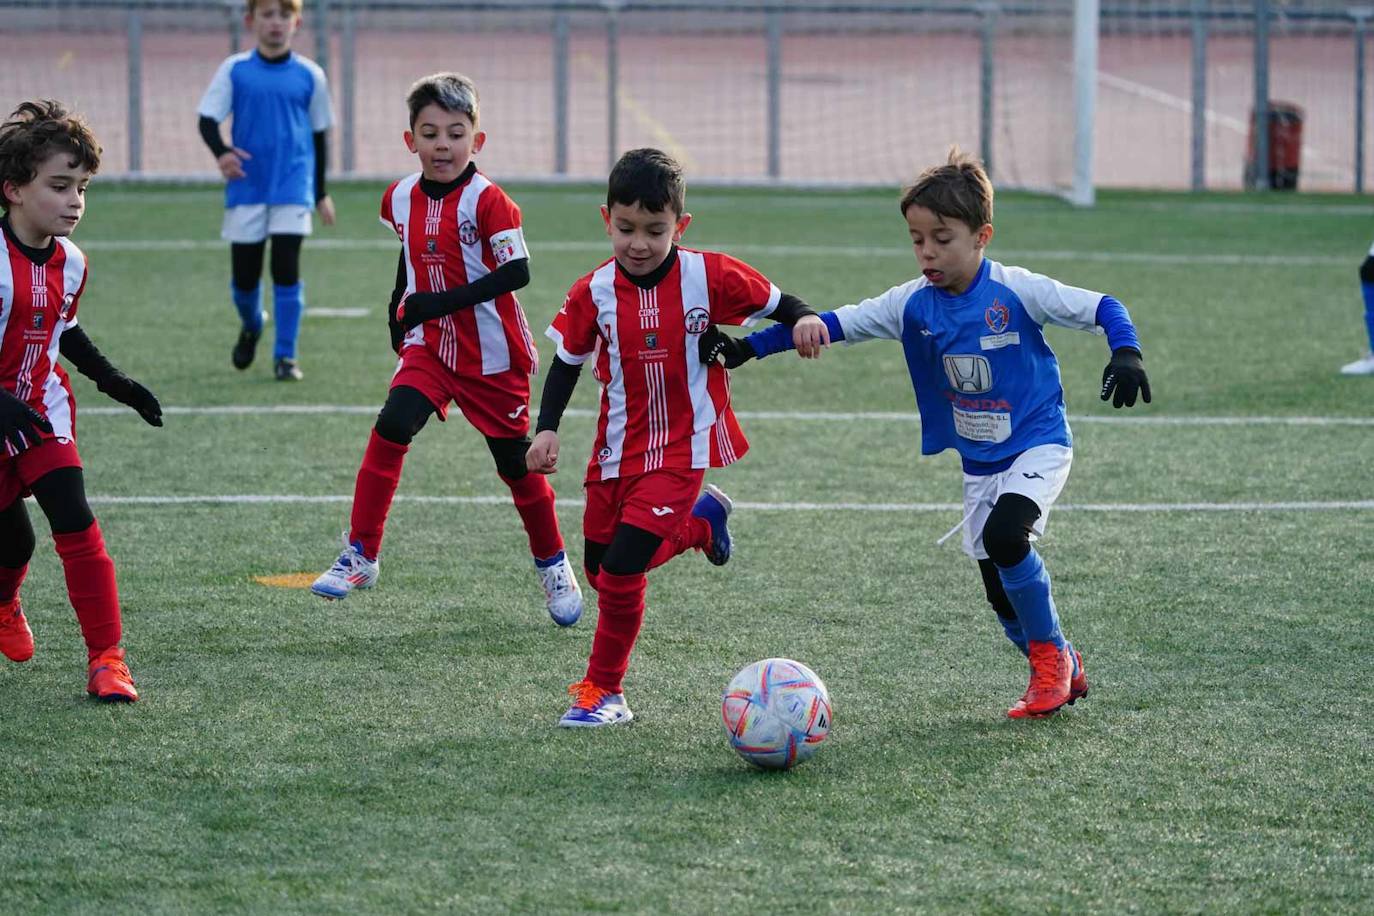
column 275, row 172
column 987, row 385
column 665, row 416
column 47, row 158
column 461, row 335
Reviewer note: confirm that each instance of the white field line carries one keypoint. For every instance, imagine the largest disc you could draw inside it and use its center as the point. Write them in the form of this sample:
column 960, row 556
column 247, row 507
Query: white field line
column 297, row 499
column 809, row 251
column 787, row 415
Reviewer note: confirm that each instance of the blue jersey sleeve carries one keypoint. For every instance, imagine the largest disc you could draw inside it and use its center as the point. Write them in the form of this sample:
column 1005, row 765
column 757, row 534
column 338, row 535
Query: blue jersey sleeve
column 1113, row 318
column 778, row 338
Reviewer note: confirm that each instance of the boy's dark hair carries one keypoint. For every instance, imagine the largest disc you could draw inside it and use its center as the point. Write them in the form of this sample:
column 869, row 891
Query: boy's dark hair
column 960, row 189
column 289, row 7
column 648, row 177
column 450, row 91
column 34, row 132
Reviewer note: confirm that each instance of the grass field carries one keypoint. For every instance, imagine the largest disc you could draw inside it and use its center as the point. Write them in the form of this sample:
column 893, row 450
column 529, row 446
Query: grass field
column 396, row 752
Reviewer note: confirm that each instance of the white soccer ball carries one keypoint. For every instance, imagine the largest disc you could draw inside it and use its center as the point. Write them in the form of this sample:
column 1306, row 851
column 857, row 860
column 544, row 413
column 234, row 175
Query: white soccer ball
column 776, row 712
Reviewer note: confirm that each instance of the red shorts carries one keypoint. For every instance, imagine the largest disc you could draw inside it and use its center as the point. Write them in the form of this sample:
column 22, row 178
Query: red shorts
column 496, row 405
column 18, row 472
column 657, row 501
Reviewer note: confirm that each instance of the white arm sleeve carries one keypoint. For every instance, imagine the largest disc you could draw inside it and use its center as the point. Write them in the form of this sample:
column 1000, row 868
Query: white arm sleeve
column 218, row 100
column 1048, row 301
column 879, row 317
column 321, row 112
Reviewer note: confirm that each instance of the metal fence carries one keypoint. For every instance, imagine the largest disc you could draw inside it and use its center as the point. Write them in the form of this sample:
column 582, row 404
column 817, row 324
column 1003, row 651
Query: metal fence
column 800, row 92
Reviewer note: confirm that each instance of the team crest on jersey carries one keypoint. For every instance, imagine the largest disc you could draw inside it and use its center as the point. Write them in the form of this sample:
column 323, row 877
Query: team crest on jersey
column 998, row 316
column 651, row 341
column 38, row 321
column 697, row 320
column 430, row 245
column 467, row 233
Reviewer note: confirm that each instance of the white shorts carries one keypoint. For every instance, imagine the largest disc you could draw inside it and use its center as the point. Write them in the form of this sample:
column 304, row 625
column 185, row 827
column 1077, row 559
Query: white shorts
column 255, row 222
column 1039, row 474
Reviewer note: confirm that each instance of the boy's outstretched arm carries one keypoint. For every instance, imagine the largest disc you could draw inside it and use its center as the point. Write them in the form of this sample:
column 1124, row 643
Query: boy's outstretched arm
column 417, row 308
column 1124, row 376
column 323, row 202
column 736, row 351
column 77, row 349
column 542, row 456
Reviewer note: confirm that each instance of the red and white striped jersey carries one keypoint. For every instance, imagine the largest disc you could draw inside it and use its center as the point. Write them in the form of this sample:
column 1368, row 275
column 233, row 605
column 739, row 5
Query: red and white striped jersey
column 660, row 406
column 453, row 241
column 37, row 303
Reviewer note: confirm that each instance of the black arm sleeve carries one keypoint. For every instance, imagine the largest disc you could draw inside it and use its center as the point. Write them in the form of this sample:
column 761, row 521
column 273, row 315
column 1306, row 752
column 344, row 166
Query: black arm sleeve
column 790, row 310
column 397, row 330
column 507, row 278
column 558, row 389
column 321, row 160
column 77, row 349
column 209, row 132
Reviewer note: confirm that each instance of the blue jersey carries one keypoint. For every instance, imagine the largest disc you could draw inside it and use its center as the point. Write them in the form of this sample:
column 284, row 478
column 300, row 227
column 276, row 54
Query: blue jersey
column 986, row 382
column 277, row 109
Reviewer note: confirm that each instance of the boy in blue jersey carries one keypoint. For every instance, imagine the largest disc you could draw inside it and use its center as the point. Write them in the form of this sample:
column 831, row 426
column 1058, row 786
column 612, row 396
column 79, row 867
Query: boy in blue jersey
column 987, row 385
column 1365, row 364
column 275, row 172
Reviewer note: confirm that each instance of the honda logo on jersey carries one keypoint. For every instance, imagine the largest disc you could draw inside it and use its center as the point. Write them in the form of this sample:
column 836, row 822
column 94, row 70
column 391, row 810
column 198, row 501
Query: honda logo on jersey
column 968, row 374
column 697, row 320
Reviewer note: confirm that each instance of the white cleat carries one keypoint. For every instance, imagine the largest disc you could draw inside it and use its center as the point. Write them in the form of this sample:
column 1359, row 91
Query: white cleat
column 351, row 570
column 1362, row 366
column 562, row 594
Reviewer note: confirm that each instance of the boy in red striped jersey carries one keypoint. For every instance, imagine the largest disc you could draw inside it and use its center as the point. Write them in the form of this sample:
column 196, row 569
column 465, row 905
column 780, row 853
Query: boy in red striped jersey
column 47, row 158
column 461, row 335
column 665, row 413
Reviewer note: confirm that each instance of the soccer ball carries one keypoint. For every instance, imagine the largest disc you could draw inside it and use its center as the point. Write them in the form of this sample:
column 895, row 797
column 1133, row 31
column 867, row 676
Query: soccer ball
column 776, row 712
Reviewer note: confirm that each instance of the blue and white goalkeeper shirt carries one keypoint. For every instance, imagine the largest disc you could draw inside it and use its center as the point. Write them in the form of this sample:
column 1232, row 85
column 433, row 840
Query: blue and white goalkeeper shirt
column 277, row 106
column 986, row 382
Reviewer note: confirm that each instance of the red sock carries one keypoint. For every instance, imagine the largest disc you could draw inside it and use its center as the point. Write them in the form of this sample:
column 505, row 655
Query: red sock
column 692, row 533
column 10, row 580
column 91, row 587
column 377, row 481
column 620, row 611
column 534, row 501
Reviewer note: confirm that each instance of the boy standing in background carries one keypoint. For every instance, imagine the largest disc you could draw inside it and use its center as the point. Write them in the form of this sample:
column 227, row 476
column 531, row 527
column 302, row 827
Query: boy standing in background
column 275, row 172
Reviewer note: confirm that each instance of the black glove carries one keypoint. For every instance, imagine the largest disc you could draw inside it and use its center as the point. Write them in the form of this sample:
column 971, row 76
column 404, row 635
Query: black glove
column 1123, row 377
column 417, row 308
column 714, row 343
column 127, row 391
column 19, row 423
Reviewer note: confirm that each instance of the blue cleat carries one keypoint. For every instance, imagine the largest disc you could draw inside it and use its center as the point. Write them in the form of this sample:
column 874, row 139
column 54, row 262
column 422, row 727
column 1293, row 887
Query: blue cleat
column 593, row 707
column 714, row 506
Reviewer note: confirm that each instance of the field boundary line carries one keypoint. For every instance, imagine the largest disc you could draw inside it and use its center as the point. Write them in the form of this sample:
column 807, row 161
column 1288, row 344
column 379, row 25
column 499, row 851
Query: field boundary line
column 1362, row 505
column 797, row 415
column 753, row 248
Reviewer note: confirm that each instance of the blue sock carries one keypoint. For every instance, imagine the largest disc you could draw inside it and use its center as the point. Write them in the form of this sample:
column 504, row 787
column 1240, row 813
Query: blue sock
column 288, row 302
column 1014, row 632
column 249, row 304
column 1368, row 290
column 1028, row 586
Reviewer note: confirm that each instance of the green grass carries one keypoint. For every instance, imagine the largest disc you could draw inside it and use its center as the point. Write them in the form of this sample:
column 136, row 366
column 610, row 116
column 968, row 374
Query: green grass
column 396, row 752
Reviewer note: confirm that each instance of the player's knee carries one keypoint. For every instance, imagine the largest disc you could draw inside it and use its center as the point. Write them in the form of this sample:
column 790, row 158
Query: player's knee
column 509, row 455
column 1006, row 536
column 403, row 415
column 61, row 494
column 286, row 259
column 1367, row 270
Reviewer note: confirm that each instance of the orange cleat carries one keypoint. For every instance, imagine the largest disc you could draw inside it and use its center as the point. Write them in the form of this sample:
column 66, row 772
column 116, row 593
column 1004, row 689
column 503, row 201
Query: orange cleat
column 1051, row 672
column 1078, row 683
column 110, row 678
column 16, row 639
